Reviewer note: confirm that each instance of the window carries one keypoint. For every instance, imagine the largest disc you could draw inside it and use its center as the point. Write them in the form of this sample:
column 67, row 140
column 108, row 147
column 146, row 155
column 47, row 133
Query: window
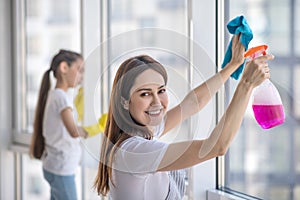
column 138, row 27
column 34, row 187
column 150, row 24
column 147, row 27
column 39, row 35
column 43, row 27
column 40, row 40
column 264, row 163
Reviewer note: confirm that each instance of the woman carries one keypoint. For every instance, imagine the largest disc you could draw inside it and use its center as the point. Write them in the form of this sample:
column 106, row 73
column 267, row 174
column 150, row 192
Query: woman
column 133, row 164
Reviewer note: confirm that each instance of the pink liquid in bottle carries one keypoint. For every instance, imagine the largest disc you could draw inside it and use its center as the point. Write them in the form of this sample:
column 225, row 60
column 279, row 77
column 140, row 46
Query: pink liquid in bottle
column 268, row 116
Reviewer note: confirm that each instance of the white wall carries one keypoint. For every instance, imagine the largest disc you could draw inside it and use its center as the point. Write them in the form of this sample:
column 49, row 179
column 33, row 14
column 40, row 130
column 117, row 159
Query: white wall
column 6, row 157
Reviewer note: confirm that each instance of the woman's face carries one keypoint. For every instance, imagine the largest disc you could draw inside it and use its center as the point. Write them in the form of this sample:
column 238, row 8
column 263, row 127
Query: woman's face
column 149, row 100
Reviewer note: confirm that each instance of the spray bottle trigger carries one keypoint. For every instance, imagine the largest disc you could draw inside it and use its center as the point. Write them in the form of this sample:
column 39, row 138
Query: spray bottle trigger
column 256, row 51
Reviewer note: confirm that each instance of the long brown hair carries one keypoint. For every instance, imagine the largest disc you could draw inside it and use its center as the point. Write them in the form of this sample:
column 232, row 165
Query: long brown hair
column 37, row 145
column 120, row 126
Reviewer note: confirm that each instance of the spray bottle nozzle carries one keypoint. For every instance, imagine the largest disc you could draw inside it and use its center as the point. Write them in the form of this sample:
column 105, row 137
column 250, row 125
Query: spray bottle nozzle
column 256, row 51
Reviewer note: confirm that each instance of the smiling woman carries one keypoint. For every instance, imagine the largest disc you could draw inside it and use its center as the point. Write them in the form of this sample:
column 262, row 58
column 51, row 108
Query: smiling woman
column 149, row 98
column 134, row 164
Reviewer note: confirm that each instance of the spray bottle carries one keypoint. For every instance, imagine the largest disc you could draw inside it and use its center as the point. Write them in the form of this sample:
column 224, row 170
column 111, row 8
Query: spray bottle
column 267, row 105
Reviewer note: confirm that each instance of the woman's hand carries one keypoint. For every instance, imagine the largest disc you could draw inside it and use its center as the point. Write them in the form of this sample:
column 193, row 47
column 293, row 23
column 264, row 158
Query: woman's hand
column 238, row 51
column 257, row 70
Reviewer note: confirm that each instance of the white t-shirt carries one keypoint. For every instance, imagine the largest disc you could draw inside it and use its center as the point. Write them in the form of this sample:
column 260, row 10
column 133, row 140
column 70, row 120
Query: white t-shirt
column 134, row 171
column 62, row 152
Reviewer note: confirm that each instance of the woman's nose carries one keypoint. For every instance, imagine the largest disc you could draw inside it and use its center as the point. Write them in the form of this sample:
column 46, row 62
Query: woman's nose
column 156, row 100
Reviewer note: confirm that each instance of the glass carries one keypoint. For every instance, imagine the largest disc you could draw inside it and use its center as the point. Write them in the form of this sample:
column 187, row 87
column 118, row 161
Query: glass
column 137, row 27
column 89, row 178
column 297, row 27
column 152, row 27
column 268, row 20
column 129, row 24
column 264, row 163
column 45, row 33
column 126, row 15
column 34, row 186
column 296, row 92
column 297, row 192
column 297, row 151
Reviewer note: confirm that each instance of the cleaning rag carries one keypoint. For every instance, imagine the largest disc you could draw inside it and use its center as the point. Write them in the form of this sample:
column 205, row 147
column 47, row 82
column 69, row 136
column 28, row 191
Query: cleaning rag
column 236, row 26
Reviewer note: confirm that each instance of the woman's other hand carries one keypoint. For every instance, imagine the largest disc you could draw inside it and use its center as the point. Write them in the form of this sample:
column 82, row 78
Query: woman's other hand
column 238, row 51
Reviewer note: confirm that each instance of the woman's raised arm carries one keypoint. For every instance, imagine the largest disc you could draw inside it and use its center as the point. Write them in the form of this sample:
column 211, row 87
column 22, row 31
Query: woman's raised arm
column 186, row 154
column 196, row 99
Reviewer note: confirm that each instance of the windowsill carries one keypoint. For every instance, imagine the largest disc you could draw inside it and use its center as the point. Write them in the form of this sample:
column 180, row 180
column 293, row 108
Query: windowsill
column 215, row 194
column 19, row 148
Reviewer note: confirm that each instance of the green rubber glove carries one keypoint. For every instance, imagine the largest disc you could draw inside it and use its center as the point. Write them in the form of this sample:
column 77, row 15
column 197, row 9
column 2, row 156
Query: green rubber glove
column 79, row 104
column 97, row 128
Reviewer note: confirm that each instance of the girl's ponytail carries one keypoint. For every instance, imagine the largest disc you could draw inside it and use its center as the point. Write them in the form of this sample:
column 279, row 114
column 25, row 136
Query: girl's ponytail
column 38, row 141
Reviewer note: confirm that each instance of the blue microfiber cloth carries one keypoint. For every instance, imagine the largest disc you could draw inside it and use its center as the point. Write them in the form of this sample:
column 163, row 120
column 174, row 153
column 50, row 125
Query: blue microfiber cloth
column 236, row 26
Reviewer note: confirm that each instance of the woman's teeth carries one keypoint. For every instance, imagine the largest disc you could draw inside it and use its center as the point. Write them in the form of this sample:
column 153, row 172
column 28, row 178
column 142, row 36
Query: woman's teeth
column 153, row 112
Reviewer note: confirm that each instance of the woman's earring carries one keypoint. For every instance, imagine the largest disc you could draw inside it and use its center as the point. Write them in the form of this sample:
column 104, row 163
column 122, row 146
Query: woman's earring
column 125, row 103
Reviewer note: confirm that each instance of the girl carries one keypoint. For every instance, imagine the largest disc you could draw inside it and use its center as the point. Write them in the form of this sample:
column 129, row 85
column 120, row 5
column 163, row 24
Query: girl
column 135, row 165
column 56, row 137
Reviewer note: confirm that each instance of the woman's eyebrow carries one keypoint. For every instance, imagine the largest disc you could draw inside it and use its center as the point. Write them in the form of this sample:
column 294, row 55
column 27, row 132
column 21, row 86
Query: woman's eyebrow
column 149, row 89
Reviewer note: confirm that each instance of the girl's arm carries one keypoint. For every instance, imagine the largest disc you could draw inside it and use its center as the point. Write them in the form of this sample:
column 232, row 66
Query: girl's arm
column 70, row 124
column 186, row 154
column 201, row 95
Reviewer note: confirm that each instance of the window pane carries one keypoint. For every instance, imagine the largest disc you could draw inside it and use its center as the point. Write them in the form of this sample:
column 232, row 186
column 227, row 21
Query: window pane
column 297, row 27
column 128, row 15
column 169, row 18
column 297, row 152
column 296, row 92
column 269, row 21
column 34, row 186
column 264, row 163
column 297, row 192
column 47, row 31
column 158, row 28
